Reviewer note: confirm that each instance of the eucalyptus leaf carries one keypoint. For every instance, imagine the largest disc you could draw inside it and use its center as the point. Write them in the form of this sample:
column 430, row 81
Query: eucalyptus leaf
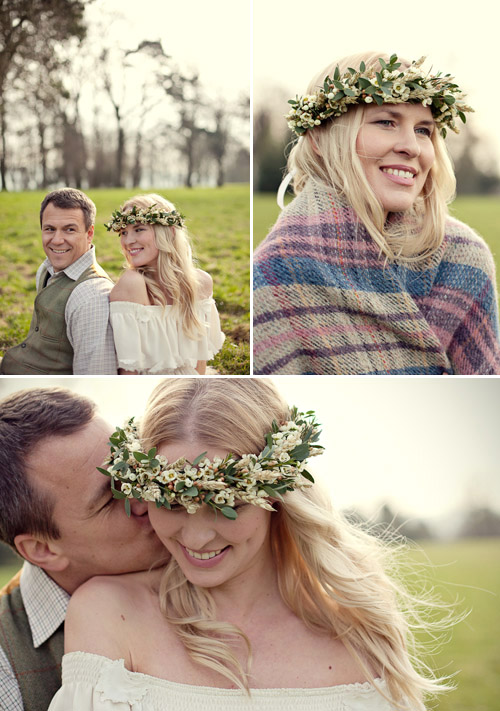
column 127, row 507
column 228, row 512
column 199, row 458
column 192, row 491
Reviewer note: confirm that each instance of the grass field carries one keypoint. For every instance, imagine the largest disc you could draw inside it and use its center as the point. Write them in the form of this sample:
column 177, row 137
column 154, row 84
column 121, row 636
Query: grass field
column 218, row 220
column 480, row 212
column 469, row 570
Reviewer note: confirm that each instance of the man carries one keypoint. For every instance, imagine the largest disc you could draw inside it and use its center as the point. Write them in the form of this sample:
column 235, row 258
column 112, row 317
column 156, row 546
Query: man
column 57, row 512
column 70, row 331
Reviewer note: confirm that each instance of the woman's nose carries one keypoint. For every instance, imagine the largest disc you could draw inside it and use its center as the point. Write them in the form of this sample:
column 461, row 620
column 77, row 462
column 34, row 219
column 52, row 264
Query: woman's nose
column 198, row 529
column 407, row 143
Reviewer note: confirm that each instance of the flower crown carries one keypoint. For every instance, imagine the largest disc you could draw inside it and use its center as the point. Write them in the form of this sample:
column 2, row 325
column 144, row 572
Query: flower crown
column 387, row 86
column 220, row 483
column 119, row 220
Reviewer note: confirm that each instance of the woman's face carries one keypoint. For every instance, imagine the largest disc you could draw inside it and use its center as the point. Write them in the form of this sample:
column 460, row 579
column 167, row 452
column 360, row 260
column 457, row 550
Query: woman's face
column 396, row 151
column 139, row 245
column 211, row 549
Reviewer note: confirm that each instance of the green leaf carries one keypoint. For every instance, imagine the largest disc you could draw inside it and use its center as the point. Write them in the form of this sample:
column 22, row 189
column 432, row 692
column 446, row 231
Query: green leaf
column 308, row 476
column 192, row 491
column 209, row 496
column 269, row 440
column 449, row 100
column 349, row 92
column 363, row 84
column 154, row 463
column 336, row 73
column 338, row 96
column 152, row 453
column 103, row 471
column 272, row 492
column 362, row 67
column 180, row 486
column 300, row 452
column 140, row 456
column 127, row 507
column 198, row 459
column 378, row 99
column 228, row 512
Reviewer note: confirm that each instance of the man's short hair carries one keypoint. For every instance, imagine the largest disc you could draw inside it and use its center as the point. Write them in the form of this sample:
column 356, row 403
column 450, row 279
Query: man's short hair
column 26, row 418
column 67, row 198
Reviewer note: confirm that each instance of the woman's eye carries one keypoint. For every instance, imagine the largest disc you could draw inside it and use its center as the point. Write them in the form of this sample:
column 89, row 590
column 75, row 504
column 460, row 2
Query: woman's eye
column 385, row 122
column 424, row 131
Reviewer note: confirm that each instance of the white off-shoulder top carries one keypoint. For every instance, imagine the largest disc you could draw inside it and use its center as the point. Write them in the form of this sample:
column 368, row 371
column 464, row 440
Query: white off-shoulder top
column 94, row 683
column 150, row 339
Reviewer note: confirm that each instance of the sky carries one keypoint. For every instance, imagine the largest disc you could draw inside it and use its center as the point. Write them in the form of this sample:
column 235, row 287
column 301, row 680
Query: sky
column 292, row 45
column 427, row 446
column 212, row 38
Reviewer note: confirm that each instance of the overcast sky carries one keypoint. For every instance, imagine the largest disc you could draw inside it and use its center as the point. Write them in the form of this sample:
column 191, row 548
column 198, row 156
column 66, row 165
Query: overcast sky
column 428, row 446
column 293, row 41
column 212, row 38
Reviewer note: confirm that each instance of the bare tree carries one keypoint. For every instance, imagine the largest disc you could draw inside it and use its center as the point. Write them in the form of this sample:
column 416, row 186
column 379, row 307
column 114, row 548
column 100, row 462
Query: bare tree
column 22, row 24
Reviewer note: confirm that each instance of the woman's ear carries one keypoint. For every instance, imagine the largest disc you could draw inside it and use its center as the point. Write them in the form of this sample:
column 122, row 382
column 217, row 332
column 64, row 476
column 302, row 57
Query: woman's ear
column 310, row 137
column 43, row 554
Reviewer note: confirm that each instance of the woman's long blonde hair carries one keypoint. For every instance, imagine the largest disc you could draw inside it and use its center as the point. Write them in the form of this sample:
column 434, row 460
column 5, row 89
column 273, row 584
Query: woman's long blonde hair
column 174, row 274
column 330, row 574
column 327, row 154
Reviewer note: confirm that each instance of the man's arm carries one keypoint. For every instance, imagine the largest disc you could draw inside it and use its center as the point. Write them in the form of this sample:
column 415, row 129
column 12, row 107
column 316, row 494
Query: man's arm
column 89, row 330
column 10, row 695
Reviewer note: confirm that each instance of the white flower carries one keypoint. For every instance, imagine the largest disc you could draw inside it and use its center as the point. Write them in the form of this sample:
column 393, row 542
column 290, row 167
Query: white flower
column 368, row 99
column 126, row 489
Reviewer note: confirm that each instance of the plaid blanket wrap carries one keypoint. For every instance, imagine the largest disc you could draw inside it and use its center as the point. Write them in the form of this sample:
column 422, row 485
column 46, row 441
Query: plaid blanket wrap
column 326, row 302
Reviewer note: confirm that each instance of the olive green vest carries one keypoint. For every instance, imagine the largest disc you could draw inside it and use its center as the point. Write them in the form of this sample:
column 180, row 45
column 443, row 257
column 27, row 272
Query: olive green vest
column 47, row 350
column 38, row 671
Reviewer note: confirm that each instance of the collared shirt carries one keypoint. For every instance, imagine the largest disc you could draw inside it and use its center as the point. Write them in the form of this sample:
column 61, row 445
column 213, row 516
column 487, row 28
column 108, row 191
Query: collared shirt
column 45, row 604
column 87, row 318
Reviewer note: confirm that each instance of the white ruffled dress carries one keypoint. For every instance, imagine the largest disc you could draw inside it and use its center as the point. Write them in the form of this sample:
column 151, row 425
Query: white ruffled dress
column 95, row 683
column 151, row 340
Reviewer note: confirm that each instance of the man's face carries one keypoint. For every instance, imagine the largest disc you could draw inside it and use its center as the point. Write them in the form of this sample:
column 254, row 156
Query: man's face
column 97, row 537
column 64, row 235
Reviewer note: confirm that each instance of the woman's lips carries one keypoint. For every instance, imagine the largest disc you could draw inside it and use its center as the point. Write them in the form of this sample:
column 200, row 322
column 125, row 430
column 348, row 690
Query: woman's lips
column 211, row 558
column 399, row 175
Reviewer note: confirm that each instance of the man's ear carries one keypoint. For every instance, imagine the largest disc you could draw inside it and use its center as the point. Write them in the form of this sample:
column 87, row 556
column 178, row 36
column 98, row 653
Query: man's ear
column 90, row 234
column 44, row 554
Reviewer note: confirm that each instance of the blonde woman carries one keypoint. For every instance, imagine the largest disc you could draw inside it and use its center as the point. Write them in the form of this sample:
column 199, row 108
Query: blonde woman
column 365, row 272
column 162, row 312
column 270, row 600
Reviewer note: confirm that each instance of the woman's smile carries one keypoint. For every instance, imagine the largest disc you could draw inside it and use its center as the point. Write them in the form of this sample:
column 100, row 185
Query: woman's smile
column 205, row 559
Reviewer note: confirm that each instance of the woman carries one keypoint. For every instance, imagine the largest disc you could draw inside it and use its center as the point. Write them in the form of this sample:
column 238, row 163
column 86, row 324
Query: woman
column 162, row 312
column 270, row 599
column 365, row 272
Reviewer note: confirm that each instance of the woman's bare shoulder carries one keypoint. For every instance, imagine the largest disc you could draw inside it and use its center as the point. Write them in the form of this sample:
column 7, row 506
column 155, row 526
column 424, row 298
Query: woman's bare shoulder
column 131, row 286
column 100, row 613
column 205, row 284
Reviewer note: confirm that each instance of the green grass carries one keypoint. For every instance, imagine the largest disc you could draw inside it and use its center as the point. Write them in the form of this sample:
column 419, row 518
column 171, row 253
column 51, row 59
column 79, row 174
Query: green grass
column 469, row 570
column 218, row 221
column 480, row 212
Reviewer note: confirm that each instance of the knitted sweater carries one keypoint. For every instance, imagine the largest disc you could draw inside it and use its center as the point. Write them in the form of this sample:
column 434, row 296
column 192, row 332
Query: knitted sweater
column 327, row 302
